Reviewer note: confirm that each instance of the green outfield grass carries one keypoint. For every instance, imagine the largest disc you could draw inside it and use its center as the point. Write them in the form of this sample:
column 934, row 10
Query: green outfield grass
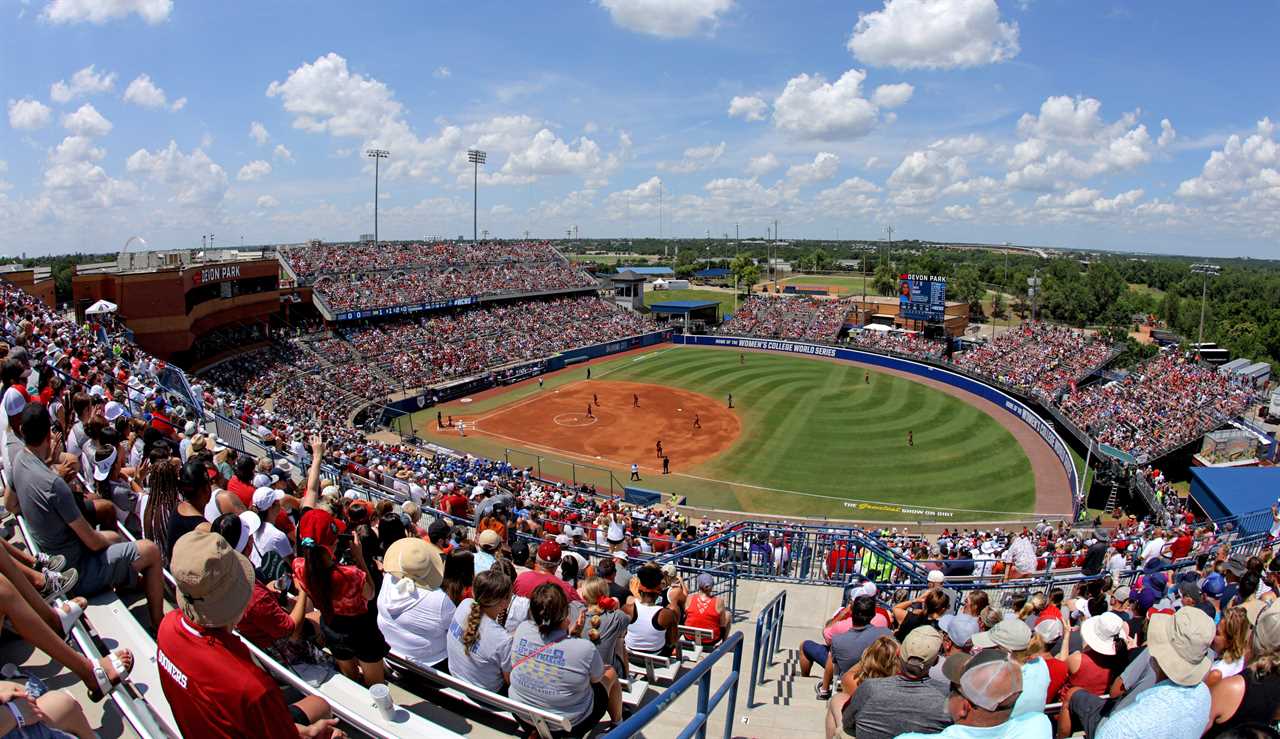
column 815, row 437
column 848, row 284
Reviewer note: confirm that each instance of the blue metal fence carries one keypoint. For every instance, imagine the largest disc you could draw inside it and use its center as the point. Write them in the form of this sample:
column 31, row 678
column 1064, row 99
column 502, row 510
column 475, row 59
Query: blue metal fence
column 768, row 637
column 726, row 692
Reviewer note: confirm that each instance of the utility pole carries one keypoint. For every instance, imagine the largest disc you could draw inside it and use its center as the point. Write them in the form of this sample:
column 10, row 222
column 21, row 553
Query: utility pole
column 1205, row 271
column 377, row 155
column 476, row 158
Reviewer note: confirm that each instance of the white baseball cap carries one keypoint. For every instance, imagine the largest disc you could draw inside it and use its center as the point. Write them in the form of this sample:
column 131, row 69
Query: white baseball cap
column 265, row 497
column 114, row 410
column 936, row 576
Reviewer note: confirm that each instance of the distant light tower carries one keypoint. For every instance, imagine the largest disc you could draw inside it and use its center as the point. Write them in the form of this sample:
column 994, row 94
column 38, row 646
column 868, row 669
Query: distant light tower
column 476, row 157
column 377, row 155
column 1206, row 271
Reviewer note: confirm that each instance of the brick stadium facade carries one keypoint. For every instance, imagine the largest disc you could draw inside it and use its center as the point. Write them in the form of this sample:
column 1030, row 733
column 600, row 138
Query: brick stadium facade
column 170, row 299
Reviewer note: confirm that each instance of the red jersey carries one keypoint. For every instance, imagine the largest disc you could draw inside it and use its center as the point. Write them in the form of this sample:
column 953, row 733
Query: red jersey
column 1179, row 548
column 265, row 621
column 243, row 491
column 455, row 504
column 213, row 686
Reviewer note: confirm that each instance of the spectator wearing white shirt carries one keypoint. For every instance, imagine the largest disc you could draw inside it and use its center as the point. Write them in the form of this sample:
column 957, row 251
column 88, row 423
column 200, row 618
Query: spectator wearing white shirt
column 266, row 537
column 414, row 613
column 1153, row 548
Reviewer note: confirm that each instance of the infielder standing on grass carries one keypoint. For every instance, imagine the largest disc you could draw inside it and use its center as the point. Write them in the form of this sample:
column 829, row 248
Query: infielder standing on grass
column 730, row 400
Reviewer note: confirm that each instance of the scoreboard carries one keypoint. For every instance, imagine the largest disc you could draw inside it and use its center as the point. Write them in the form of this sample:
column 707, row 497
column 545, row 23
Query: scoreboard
column 922, row 297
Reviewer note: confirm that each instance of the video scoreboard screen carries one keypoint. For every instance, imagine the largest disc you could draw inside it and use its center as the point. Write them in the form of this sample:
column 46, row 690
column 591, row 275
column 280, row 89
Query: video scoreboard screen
column 922, row 297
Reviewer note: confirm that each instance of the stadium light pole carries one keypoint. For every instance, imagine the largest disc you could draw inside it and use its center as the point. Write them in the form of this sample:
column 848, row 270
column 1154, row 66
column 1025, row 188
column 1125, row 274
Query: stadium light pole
column 476, row 157
column 377, row 155
column 1205, row 271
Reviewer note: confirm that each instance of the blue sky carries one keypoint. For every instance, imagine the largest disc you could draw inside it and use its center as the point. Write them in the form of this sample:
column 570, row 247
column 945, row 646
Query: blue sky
column 1087, row 125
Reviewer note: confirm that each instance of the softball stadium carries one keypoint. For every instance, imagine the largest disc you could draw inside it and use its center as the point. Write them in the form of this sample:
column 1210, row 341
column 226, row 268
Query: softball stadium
column 469, row 488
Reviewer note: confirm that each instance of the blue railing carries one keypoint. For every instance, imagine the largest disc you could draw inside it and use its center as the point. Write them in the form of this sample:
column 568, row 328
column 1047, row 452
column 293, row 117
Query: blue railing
column 707, row 701
column 768, row 638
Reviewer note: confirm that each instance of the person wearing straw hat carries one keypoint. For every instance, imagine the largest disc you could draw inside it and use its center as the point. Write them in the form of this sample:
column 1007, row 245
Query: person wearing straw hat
column 1178, row 705
column 208, row 676
column 414, row 613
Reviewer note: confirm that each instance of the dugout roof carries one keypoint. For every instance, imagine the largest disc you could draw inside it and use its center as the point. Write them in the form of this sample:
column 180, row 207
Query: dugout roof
column 1231, row 491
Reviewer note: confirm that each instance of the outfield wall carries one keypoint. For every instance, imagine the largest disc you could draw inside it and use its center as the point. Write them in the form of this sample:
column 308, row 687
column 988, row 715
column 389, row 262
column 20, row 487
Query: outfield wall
column 921, row 369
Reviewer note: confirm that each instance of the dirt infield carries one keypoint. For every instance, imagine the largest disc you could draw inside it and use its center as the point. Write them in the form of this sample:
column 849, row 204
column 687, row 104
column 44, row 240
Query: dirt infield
column 617, row 431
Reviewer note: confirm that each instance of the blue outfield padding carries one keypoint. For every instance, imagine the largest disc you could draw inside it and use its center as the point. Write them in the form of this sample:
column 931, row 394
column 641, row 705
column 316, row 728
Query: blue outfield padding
column 969, row 385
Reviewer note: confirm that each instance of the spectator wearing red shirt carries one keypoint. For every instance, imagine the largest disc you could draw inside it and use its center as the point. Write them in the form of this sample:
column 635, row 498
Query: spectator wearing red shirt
column 341, row 593
column 208, row 677
column 264, row 622
column 1180, row 547
column 543, row 571
column 454, row 503
column 242, row 482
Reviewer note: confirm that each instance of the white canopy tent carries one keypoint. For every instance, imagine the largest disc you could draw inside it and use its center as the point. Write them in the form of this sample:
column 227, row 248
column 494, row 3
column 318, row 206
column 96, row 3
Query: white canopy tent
column 876, row 327
column 102, row 307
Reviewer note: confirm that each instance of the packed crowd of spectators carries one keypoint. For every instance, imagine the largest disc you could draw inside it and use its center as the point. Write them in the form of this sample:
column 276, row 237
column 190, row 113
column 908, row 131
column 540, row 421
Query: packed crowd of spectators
column 430, row 349
column 466, row 592
column 1166, row 402
column 372, row 290
column 788, row 317
column 1038, row 358
column 1190, row 649
column 310, row 261
column 910, row 343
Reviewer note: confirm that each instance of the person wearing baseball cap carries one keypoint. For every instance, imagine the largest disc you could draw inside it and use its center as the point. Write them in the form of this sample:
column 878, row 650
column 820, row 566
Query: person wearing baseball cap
column 488, row 549
column 544, row 570
column 984, row 689
column 704, row 610
column 267, row 537
column 210, row 681
column 341, row 593
column 1178, row 705
column 907, row 701
column 414, row 612
column 1251, row 697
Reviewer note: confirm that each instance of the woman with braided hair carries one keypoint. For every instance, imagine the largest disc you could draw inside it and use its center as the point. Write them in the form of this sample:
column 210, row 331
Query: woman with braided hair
column 606, row 625
column 478, row 643
column 162, row 501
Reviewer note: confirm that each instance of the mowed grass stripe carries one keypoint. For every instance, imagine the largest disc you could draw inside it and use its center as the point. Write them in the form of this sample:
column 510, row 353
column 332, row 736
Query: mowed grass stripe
column 816, row 426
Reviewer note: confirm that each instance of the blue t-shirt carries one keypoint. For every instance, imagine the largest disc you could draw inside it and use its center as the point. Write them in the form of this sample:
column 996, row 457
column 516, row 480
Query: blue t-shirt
column 1026, row 726
column 1180, row 713
column 1035, row 688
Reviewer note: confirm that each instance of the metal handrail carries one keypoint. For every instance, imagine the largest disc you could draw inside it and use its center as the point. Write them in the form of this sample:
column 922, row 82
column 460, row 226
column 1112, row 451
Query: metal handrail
column 140, row 720
column 768, row 637
column 707, row 702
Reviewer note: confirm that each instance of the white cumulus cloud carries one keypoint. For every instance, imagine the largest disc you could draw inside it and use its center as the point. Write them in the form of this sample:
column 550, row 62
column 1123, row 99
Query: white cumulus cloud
column 258, row 132
column 86, row 121
column 282, row 153
column 823, row 167
column 1245, row 170
column 748, row 107
column 101, row 11
column 667, row 18
column 192, row 179
column 266, row 201
column 892, row 96
column 255, row 170
column 142, row 91
column 28, row 114
column 934, row 34
column 695, row 158
column 1167, row 133
column 762, row 165
column 84, row 83
column 812, row 108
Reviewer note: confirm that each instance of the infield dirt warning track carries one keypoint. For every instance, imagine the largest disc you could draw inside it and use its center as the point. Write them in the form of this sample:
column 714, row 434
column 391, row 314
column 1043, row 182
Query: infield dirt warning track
column 617, row 430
